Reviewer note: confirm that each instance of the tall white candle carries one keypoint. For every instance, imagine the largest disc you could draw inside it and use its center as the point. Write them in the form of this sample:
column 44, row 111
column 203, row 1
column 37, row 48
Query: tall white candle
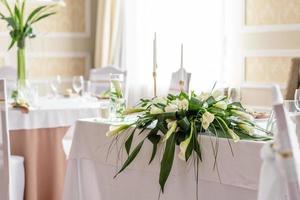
column 181, row 65
column 154, row 53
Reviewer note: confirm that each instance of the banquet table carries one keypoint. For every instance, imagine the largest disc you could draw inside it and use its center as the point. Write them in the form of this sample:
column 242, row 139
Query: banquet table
column 37, row 137
column 94, row 159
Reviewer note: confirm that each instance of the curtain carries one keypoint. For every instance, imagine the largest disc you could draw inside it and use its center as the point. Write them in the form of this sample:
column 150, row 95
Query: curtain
column 109, row 30
column 199, row 25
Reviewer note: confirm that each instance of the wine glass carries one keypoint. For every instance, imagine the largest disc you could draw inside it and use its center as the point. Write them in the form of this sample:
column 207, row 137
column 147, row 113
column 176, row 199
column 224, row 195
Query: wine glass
column 55, row 85
column 77, row 84
column 297, row 99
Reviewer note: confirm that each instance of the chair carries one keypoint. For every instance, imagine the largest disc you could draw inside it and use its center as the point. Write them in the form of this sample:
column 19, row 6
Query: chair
column 10, row 75
column 293, row 80
column 175, row 81
column 100, row 78
column 280, row 175
column 12, row 181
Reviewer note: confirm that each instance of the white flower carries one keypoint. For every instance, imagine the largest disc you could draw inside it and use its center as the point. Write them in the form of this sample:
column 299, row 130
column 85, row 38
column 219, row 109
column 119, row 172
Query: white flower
column 155, row 110
column 171, row 108
column 218, row 95
column 233, row 135
column 183, row 104
column 203, row 96
column 172, row 128
column 116, row 130
column 207, row 118
column 248, row 128
column 221, row 104
column 243, row 115
column 183, row 146
column 161, row 100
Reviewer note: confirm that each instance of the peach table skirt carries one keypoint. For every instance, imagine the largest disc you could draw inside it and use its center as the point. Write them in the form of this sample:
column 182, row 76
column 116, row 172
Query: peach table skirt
column 45, row 161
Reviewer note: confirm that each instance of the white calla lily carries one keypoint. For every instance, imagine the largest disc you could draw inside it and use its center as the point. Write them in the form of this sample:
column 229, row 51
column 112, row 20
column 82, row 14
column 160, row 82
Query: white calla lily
column 207, row 118
column 171, row 108
column 233, row 135
column 183, row 146
column 117, row 130
column 221, row 104
column 248, row 128
column 243, row 115
column 155, row 110
column 172, row 128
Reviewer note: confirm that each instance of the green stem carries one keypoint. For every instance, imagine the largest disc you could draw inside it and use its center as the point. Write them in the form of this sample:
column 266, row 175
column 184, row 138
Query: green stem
column 21, row 66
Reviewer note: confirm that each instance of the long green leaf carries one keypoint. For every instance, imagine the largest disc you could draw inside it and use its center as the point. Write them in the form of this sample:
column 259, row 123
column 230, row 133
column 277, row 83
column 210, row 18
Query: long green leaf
column 131, row 157
column 167, row 161
column 42, row 17
column 154, row 139
column 129, row 142
column 34, row 13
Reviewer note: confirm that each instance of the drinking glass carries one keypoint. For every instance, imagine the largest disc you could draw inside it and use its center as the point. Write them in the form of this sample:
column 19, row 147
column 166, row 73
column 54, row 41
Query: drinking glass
column 55, row 85
column 77, row 84
column 117, row 101
column 297, row 99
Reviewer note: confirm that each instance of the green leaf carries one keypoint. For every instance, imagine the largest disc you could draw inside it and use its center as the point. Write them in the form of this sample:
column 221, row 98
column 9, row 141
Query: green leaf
column 11, row 44
column 34, row 13
column 154, row 139
column 195, row 104
column 131, row 157
column 47, row 15
column 167, row 161
column 184, row 124
column 129, row 142
column 211, row 100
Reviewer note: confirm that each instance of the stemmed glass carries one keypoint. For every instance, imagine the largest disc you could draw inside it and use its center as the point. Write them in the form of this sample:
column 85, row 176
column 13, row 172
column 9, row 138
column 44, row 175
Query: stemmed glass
column 55, row 85
column 297, row 99
column 77, row 84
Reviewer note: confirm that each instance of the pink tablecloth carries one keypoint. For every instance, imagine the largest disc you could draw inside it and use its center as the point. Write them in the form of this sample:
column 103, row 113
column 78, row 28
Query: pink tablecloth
column 90, row 173
column 45, row 161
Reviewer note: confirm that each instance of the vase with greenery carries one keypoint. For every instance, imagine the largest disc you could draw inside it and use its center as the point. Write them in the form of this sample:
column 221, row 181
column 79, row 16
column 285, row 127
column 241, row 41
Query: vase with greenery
column 20, row 28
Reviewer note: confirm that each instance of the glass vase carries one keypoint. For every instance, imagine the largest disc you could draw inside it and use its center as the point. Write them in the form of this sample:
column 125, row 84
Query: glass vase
column 117, row 101
column 21, row 62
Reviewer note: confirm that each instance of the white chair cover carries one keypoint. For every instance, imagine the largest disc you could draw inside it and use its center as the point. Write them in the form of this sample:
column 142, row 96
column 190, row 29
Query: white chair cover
column 175, row 81
column 100, row 78
column 280, row 170
column 10, row 75
column 12, row 179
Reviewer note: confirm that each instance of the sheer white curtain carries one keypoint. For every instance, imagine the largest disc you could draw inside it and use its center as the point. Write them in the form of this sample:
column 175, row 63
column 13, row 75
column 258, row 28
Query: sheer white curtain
column 199, row 25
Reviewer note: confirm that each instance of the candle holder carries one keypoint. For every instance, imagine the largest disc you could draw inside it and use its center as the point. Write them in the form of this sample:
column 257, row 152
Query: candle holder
column 154, row 84
column 181, row 85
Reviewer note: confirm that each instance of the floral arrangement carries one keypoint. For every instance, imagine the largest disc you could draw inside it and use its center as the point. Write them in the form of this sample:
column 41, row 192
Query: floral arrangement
column 180, row 120
column 21, row 28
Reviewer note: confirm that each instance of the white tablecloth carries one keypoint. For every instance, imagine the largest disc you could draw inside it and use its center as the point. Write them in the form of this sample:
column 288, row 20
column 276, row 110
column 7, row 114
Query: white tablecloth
column 90, row 172
column 53, row 113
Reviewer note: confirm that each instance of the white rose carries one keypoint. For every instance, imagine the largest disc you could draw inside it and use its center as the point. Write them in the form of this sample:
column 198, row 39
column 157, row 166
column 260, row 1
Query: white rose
column 183, row 104
column 221, row 104
column 171, row 108
column 155, row 110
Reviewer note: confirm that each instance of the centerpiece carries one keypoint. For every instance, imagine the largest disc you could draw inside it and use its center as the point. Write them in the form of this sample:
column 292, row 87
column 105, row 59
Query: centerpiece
column 20, row 29
column 179, row 120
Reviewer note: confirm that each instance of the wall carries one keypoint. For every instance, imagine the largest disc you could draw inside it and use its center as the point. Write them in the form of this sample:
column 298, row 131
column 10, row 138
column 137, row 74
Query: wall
column 270, row 38
column 65, row 42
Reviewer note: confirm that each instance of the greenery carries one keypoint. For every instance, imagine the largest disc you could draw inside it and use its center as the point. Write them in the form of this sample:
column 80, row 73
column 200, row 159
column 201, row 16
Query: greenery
column 21, row 28
column 178, row 120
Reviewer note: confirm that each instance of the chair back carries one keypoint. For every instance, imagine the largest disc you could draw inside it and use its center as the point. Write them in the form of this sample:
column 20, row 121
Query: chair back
column 293, row 79
column 286, row 147
column 4, row 144
column 100, row 78
column 175, row 81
